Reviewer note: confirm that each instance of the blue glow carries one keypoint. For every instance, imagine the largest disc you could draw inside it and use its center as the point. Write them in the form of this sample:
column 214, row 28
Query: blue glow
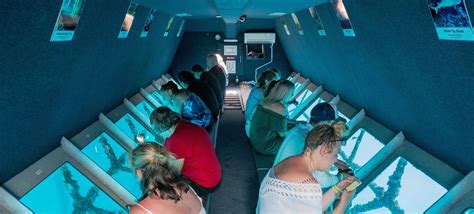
column 145, row 108
column 67, row 190
column 359, row 148
column 297, row 86
column 399, row 188
column 469, row 211
column 112, row 158
column 307, row 113
column 132, row 128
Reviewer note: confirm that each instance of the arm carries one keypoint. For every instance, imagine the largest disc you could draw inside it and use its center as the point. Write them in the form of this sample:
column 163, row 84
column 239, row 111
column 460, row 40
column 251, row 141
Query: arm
column 330, row 195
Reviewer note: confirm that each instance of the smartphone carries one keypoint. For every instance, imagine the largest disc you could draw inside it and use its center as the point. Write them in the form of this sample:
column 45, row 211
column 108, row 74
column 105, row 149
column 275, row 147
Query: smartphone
column 353, row 185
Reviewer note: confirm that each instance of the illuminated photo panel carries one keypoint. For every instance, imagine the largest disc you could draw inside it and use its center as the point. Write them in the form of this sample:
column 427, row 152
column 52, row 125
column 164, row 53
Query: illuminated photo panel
column 298, row 26
column 286, row 28
column 307, row 113
column 400, row 188
column 181, row 26
column 343, row 17
column 359, row 148
column 168, row 26
column 128, row 20
column 148, row 22
column 145, row 108
column 319, row 24
column 67, row 190
column 113, row 159
column 132, row 128
column 67, row 20
column 451, row 19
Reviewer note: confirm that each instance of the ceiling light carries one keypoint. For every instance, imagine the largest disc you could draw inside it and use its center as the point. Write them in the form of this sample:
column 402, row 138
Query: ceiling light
column 218, row 16
column 183, row 15
column 277, row 14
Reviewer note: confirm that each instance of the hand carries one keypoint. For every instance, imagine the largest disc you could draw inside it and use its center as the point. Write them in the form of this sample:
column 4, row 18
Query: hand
column 347, row 196
column 140, row 137
column 346, row 182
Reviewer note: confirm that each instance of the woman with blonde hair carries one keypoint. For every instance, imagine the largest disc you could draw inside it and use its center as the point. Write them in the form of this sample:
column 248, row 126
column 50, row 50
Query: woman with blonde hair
column 164, row 189
column 269, row 123
column 290, row 187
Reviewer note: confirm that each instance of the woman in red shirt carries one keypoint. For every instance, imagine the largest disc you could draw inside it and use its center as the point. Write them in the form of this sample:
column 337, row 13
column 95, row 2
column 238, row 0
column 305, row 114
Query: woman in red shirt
column 192, row 143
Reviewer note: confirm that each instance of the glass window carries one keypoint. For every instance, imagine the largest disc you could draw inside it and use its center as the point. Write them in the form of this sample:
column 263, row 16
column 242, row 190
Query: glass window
column 359, row 148
column 400, row 188
column 300, row 99
column 67, row 190
column 469, row 211
column 113, row 159
column 297, row 85
column 157, row 97
column 132, row 128
column 339, row 114
column 307, row 113
column 145, row 108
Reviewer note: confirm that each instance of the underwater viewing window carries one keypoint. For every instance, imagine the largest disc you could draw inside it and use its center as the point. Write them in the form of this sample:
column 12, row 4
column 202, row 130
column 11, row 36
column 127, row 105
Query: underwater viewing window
column 113, row 159
column 132, row 128
column 67, row 190
column 299, row 99
column 157, row 97
column 307, row 113
column 400, row 188
column 255, row 51
column 469, row 211
column 359, row 148
column 145, row 108
column 339, row 114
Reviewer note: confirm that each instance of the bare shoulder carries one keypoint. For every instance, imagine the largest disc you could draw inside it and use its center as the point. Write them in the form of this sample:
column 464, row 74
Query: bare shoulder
column 293, row 169
column 136, row 209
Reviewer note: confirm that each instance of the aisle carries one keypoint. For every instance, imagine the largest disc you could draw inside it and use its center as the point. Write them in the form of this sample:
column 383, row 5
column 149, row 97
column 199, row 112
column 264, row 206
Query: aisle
column 239, row 188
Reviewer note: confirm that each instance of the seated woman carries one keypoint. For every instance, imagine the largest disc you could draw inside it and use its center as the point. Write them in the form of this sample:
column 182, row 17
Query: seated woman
column 269, row 123
column 190, row 106
column 256, row 96
column 290, row 187
column 192, row 143
column 164, row 189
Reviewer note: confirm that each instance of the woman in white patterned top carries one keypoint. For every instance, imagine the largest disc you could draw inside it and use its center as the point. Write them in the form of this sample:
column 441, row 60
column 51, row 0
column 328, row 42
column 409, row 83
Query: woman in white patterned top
column 289, row 187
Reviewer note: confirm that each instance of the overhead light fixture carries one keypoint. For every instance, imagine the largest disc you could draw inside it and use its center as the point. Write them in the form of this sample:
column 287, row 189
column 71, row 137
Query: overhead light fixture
column 218, row 17
column 276, row 14
column 183, row 15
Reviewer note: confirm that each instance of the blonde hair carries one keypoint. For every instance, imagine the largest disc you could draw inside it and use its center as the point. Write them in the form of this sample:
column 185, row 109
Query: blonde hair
column 279, row 92
column 326, row 133
column 158, row 175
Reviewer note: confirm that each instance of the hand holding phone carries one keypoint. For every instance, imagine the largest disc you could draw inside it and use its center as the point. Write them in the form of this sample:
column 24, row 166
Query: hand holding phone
column 353, row 185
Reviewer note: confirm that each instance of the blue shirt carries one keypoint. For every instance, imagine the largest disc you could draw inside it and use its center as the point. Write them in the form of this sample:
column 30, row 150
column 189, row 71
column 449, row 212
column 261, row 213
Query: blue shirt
column 255, row 96
column 195, row 111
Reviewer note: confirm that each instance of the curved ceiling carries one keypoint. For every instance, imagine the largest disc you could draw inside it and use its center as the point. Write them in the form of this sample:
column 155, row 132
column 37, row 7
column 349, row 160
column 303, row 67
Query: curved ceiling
column 255, row 9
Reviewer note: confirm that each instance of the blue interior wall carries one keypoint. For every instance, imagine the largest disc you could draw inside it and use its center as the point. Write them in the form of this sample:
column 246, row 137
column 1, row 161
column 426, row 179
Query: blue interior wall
column 50, row 90
column 396, row 69
column 199, row 40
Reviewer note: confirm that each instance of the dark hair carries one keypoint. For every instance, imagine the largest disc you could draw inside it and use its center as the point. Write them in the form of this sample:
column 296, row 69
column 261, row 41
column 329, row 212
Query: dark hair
column 327, row 132
column 265, row 76
column 322, row 112
column 163, row 118
column 170, row 85
column 197, row 68
column 158, row 174
column 186, row 77
column 275, row 70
